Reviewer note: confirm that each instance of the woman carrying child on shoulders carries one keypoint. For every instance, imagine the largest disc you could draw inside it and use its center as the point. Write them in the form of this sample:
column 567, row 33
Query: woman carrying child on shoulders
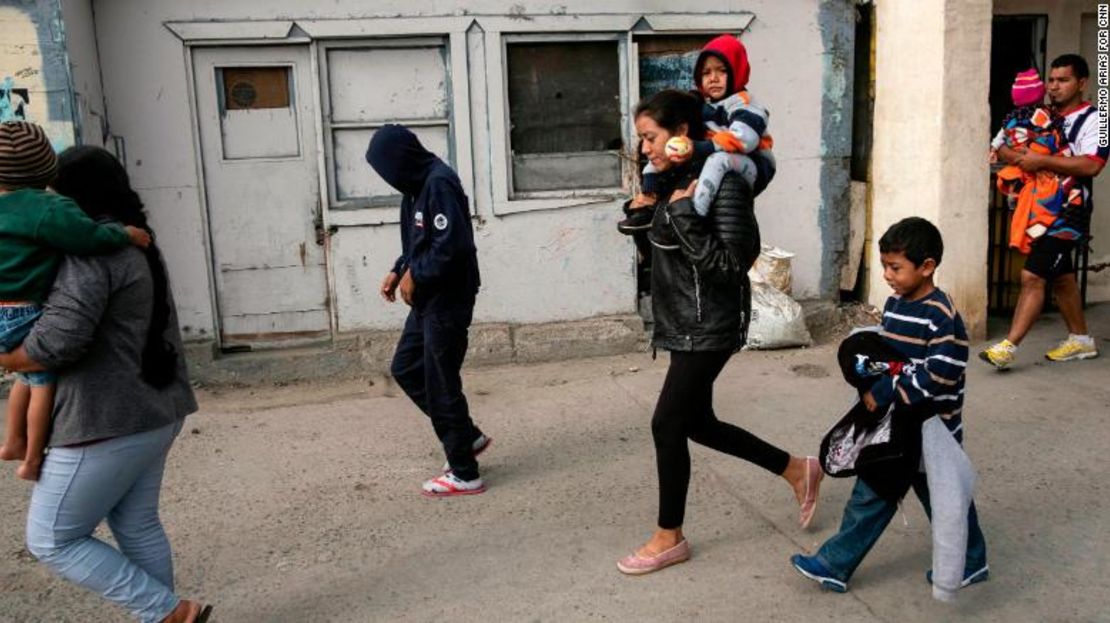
column 701, row 305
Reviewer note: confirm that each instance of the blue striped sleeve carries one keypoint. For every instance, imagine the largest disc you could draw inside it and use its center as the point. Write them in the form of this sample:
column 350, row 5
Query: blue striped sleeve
column 939, row 372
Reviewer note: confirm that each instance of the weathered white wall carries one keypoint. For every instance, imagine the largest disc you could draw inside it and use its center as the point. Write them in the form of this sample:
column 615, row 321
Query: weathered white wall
column 1065, row 36
column 922, row 101
column 559, row 264
column 84, row 64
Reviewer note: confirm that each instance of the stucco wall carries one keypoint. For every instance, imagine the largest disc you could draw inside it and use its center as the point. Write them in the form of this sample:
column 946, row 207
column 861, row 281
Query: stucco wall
column 558, row 264
column 918, row 169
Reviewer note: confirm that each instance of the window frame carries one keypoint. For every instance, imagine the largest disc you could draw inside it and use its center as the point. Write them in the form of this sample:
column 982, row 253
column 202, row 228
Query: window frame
column 221, row 107
column 499, row 33
column 604, row 193
column 339, row 206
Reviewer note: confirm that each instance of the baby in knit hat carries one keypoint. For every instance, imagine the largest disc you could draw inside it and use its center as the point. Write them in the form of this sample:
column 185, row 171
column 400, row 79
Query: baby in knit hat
column 1037, row 199
column 37, row 228
column 1027, row 94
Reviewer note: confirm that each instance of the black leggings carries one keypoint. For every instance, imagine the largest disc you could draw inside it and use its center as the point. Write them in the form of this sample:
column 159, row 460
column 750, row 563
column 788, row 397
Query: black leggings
column 685, row 410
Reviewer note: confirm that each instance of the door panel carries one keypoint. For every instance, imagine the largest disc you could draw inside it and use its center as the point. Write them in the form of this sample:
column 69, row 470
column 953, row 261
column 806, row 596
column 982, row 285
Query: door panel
column 258, row 144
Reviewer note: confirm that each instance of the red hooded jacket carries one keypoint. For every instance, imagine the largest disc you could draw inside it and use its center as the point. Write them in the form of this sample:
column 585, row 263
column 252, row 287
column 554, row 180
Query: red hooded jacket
column 730, row 51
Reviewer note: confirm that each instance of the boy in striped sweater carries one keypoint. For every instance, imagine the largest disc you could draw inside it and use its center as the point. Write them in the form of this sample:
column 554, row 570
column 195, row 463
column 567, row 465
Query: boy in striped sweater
column 920, row 322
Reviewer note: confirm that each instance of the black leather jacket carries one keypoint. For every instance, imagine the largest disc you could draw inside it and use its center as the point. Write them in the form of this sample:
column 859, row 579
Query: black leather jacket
column 700, row 293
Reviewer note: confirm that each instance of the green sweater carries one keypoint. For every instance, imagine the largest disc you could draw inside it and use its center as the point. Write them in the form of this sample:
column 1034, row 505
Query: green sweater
column 36, row 229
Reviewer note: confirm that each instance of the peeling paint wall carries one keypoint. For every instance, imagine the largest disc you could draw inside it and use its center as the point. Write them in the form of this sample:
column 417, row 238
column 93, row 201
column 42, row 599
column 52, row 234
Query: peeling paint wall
column 838, row 25
column 560, row 264
column 84, row 69
column 34, row 72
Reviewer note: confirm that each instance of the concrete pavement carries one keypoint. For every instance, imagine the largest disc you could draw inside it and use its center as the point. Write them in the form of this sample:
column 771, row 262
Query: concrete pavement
column 301, row 503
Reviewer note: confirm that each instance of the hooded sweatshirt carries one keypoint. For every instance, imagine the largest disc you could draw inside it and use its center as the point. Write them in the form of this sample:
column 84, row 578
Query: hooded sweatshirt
column 437, row 238
column 730, row 51
column 736, row 123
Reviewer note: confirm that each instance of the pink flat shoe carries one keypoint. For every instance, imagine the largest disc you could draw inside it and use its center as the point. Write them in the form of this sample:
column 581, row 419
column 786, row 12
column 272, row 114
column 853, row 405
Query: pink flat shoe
column 814, row 474
column 635, row 564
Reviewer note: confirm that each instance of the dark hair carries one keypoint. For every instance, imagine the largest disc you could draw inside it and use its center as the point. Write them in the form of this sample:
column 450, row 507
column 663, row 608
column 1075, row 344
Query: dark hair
column 671, row 108
column 1077, row 63
column 93, row 178
column 914, row 237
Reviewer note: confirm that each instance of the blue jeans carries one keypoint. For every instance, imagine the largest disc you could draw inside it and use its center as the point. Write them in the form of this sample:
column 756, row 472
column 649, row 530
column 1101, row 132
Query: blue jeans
column 866, row 516
column 15, row 323
column 120, row 480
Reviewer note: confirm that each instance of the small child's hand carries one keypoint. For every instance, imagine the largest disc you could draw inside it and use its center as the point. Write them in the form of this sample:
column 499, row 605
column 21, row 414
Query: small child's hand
column 869, row 402
column 139, row 237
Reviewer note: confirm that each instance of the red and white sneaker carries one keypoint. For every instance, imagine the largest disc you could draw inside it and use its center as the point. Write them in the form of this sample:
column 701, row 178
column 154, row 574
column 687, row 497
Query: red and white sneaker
column 480, row 444
column 449, row 484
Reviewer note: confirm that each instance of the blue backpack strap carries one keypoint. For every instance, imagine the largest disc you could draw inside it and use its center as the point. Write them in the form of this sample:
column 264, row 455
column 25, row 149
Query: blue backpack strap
column 1087, row 183
column 1073, row 133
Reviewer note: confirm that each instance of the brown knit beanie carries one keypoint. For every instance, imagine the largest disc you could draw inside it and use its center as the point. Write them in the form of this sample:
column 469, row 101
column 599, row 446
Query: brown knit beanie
column 27, row 160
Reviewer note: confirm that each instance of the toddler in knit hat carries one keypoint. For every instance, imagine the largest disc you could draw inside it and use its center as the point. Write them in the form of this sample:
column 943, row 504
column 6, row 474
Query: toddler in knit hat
column 37, row 228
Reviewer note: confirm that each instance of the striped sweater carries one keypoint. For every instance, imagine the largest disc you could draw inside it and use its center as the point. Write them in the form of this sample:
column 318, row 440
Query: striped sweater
column 931, row 334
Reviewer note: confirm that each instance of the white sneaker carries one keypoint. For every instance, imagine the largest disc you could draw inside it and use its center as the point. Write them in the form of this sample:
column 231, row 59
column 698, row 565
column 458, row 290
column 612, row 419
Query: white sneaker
column 449, row 484
column 480, row 444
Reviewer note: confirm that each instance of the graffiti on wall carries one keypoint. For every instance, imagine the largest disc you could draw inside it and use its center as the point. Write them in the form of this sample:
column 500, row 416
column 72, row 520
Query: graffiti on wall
column 34, row 69
column 13, row 101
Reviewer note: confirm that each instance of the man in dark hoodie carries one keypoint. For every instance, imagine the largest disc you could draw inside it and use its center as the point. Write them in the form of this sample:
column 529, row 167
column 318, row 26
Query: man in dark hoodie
column 437, row 275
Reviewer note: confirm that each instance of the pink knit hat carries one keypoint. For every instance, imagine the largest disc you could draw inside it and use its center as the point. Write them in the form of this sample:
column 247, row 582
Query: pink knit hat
column 1028, row 88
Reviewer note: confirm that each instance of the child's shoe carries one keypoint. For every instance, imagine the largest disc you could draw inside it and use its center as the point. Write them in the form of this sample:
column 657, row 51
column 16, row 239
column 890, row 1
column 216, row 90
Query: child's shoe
column 449, row 484
column 810, row 567
column 480, row 444
column 1074, row 348
column 638, row 220
column 999, row 355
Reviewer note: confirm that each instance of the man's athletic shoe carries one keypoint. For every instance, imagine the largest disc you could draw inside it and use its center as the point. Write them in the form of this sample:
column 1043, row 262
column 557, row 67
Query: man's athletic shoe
column 449, row 484
column 480, row 444
column 1072, row 349
column 810, row 567
column 999, row 355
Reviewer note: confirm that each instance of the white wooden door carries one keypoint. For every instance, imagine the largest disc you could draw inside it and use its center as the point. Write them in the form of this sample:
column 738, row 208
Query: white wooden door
column 258, row 143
